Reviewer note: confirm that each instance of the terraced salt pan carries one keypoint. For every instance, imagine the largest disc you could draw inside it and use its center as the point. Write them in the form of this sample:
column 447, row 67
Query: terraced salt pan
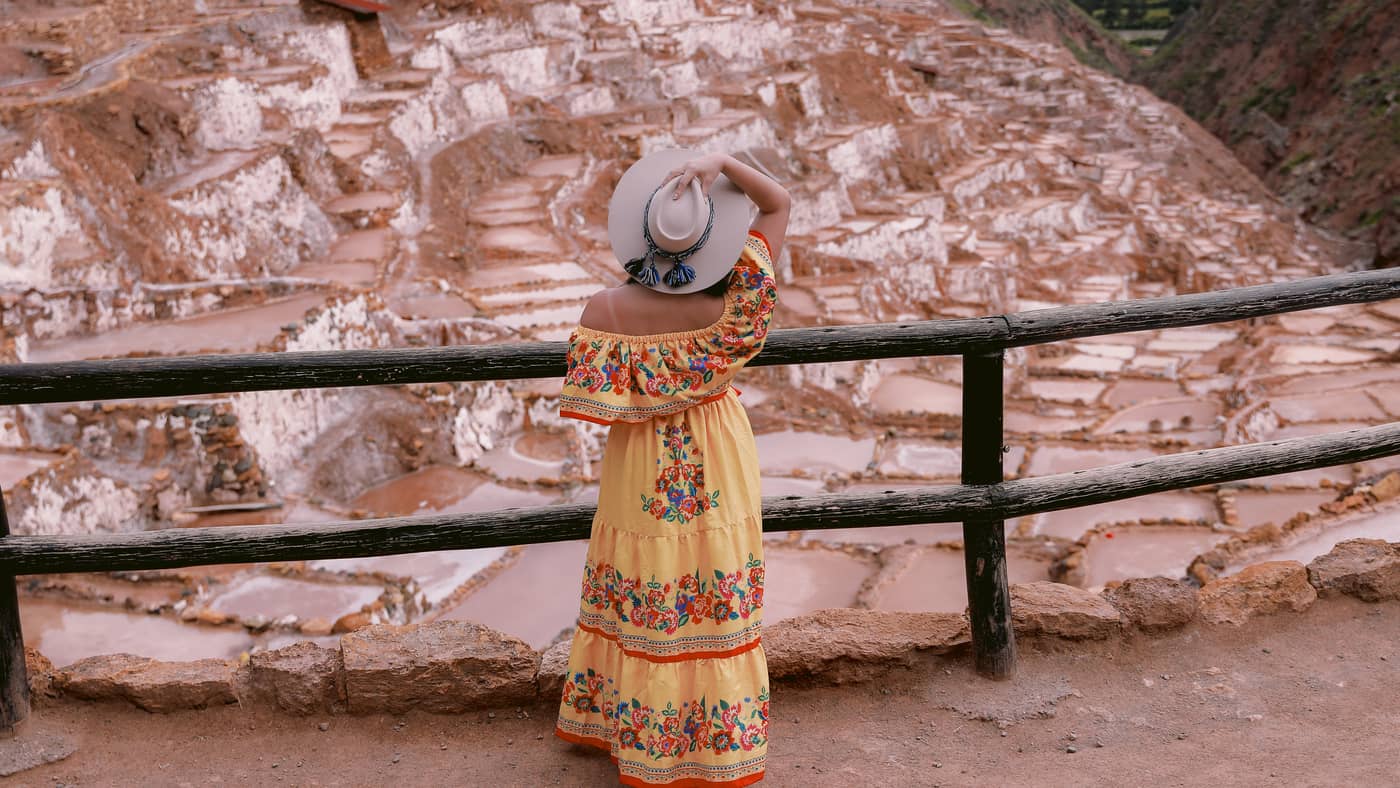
column 1163, row 415
column 936, row 581
column 1073, row 523
column 1064, row 459
column 1087, row 363
column 1319, row 354
column 1381, row 525
column 1061, row 390
column 353, row 274
column 17, row 465
column 1336, row 476
column 215, row 166
column 1133, row 392
column 567, row 166
column 912, row 394
column 542, row 295
column 781, row 453
column 547, row 575
column 567, row 314
column 520, row 238
column 437, row 490
column 784, row 485
column 935, row 460
column 361, row 245
column 366, row 202
column 1335, row 381
column 430, row 488
column 502, row 275
column 273, row 596
column 1145, row 551
column 224, row 331
column 1256, row 507
column 1352, row 405
column 798, row 581
column 513, row 461
column 66, row 633
column 1023, row 423
column 441, row 306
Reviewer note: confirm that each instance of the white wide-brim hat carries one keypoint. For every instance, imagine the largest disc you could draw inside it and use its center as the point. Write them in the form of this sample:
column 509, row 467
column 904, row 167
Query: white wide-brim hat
column 706, row 235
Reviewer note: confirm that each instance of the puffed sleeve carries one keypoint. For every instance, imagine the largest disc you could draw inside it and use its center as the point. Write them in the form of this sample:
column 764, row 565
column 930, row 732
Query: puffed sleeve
column 752, row 295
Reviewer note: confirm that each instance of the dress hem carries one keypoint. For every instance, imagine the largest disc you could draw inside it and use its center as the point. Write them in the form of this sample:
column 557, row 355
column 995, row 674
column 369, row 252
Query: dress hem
column 684, row 782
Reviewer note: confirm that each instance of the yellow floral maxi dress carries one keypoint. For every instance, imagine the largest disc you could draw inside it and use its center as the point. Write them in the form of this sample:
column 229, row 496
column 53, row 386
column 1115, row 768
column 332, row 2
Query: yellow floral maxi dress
column 666, row 671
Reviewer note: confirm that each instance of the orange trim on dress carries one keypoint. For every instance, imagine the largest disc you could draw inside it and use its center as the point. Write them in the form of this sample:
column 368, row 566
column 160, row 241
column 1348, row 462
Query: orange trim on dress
column 694, row 782
column 767, row 247
column 685, row 782
column 573, row 414
column 687, row 657
column 589, row 741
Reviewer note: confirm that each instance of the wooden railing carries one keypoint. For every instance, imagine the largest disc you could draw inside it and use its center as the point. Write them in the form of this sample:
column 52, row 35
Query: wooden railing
column 982, row 503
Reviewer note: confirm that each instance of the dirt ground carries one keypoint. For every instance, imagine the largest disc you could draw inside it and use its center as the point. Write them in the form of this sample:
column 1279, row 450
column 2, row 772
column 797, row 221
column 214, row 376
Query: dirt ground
column 1301, row 699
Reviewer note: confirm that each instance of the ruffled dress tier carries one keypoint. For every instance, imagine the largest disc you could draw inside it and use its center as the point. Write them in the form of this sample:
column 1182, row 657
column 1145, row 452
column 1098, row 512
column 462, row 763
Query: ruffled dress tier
column 667, row 671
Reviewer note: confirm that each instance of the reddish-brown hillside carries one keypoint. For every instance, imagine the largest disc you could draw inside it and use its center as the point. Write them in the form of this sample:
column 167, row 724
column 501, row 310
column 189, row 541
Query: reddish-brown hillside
column 1307, row 94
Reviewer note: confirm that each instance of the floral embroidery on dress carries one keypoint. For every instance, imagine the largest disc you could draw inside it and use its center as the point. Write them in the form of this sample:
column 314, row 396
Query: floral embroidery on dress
column 616, row 377
column 681, row 484
column 689, row 599
column 741, row 725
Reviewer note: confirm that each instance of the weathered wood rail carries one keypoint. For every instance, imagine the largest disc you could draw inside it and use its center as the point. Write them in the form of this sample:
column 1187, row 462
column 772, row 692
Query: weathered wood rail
column 982, row 503
column 182, row 376
column 951, row 503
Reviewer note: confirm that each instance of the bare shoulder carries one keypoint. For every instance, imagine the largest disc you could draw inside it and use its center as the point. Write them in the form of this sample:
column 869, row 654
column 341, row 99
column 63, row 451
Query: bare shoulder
column 600, row 313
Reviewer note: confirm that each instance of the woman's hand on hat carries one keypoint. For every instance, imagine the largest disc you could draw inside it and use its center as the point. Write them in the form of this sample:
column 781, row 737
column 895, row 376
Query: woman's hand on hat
column 706, row 168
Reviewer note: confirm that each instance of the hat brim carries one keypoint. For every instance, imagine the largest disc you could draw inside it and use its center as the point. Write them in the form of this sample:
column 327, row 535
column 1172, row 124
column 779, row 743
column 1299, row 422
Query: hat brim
column 713, row 261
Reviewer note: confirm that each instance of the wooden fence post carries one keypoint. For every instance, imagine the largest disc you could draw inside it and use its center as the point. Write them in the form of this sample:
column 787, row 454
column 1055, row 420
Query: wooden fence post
column 14, row 682
column 984, row 541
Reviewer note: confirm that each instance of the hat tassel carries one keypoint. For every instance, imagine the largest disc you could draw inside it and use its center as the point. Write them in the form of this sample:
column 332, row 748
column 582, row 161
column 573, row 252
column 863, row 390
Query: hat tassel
column 643, row 269
column 680, row 274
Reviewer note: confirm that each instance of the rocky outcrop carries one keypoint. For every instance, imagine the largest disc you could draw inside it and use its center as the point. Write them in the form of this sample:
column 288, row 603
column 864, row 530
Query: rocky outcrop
column 302, row 678
column 445, row 666
column 1154, row 604
column 1368, row 569
column 554, row 663
column 1261, row 589
column 41, row 674
column 150, row 684
column 1057, row 610
column 843, row 644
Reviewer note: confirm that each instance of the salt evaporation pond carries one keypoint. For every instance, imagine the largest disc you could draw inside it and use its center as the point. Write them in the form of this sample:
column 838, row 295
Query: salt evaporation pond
column 1382, row 525
column 65, row 633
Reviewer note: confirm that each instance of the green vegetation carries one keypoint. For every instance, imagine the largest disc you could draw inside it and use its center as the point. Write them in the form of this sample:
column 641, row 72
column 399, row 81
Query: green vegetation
column 1371, row 217
column 1090, row 57
column 1379, row 92
column 1136, row 14
column 1295, row 160
column 970, row 8
column 1273, row 101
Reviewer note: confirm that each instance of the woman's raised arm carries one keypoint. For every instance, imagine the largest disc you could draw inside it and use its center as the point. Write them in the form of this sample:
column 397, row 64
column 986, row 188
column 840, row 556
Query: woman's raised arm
column 770, row 197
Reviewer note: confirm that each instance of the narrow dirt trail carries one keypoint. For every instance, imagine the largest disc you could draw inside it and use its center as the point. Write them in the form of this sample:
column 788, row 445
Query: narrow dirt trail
column 1306, row 699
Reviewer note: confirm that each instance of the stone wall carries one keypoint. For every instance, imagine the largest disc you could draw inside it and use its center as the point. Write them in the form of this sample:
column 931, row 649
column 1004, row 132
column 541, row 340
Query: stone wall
column 455, row 666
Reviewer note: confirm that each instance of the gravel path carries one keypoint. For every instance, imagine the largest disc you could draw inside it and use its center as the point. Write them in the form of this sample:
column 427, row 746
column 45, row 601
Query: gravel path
column 1303, row 699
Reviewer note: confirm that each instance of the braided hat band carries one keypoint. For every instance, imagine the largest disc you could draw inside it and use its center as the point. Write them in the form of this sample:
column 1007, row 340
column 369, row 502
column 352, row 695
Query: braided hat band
column 643, row 267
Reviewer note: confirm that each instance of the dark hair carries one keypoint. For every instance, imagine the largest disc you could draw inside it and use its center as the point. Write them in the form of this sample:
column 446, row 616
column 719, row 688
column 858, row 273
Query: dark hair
column 717, row 289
